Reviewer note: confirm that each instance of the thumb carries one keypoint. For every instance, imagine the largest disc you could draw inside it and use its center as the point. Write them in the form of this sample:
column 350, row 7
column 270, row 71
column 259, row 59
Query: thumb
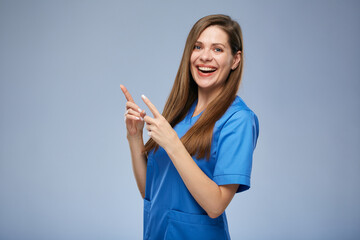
column 142, row 113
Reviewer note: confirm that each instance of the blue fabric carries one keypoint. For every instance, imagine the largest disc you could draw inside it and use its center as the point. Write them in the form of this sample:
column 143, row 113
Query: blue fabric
column 170, row 211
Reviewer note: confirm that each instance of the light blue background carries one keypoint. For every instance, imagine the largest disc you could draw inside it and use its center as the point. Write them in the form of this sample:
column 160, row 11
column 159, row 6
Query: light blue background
column 65, row 169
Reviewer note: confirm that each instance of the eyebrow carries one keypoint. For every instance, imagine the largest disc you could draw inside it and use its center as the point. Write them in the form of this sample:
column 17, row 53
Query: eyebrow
column 198, row 42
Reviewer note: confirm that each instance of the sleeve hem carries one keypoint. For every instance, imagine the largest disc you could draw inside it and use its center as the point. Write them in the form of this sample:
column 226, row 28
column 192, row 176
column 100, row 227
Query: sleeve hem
column 243, row 180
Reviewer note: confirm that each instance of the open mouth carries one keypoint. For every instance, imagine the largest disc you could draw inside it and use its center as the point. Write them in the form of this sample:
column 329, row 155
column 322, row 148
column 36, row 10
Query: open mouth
column 206, row 69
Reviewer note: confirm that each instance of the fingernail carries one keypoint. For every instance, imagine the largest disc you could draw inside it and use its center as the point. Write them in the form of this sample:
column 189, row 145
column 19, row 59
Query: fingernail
column 137, row 118
column 139, row 109
column 143, row 96
column 141, row 119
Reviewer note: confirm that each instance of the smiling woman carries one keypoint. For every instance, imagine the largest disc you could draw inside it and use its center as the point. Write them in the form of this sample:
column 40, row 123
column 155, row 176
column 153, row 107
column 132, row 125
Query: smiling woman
column 200, row 149
column 212, row 60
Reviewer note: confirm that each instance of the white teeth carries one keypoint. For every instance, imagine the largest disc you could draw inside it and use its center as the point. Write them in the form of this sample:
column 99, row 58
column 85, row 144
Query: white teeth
column 206, row 69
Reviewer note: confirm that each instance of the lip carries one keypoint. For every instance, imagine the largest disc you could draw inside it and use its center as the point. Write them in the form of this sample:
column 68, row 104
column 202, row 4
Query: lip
column 205, row 65
column 201, row 74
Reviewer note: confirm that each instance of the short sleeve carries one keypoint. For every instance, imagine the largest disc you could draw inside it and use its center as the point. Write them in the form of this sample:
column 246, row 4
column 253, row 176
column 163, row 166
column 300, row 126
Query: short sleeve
column 236, row 144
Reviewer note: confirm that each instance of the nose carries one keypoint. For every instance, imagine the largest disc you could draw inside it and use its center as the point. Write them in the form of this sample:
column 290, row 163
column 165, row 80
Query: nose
column 205, row 55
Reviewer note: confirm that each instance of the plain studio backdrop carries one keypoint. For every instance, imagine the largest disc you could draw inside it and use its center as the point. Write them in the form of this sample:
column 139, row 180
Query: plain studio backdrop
column 65, row 169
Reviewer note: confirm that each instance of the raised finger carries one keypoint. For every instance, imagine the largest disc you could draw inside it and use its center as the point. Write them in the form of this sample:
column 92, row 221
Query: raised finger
column 151, row 106
column 126, row 93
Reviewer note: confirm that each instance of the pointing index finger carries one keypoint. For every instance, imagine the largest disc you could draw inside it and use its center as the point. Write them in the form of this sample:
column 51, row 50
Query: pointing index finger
column 151, row 106
column 126, row 93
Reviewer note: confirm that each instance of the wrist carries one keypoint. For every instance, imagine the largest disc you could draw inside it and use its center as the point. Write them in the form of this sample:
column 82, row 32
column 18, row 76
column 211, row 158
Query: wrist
column 174, row 146
column 138, row 136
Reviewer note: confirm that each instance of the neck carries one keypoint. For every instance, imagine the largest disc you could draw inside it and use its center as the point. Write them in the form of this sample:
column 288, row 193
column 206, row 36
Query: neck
column 204, row 98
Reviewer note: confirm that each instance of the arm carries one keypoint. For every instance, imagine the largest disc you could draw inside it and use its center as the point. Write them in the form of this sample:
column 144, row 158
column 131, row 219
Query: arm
column 139, row 161
column 212, row 198
column 134, row 125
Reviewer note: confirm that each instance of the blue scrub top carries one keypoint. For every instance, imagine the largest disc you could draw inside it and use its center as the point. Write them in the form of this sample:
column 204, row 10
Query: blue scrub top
column 170, row 211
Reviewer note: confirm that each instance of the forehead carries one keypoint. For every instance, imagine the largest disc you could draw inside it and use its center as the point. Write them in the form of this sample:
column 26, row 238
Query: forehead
column 213, row 34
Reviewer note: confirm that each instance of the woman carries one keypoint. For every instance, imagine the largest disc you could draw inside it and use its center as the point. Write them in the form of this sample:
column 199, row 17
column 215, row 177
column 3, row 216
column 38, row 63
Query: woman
column 200, row 149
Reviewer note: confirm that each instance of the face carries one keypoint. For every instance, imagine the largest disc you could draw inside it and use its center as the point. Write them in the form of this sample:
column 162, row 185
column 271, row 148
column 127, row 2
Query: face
column 212, row 60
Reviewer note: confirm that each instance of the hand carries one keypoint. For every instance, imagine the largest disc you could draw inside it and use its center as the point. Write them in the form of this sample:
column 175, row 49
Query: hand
column 133, row 115
column 158, row 127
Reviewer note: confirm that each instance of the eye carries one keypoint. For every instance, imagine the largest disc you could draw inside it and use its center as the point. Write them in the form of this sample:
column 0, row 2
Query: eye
column 197, row 47
column 218, row 50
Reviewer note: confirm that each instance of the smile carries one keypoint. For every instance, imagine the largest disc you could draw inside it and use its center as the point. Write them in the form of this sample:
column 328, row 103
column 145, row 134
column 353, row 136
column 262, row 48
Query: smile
column 206, row 71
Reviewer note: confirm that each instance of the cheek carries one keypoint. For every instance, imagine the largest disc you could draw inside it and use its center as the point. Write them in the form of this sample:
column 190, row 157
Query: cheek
column 226, row 63
column 193, row 58
column 192, row 66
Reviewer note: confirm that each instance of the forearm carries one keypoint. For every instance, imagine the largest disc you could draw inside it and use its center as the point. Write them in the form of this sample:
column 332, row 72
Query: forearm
column 139, row 161
column 204, row 190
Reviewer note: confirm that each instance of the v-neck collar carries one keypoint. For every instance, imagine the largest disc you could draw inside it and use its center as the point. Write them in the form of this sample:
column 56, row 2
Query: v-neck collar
column 189, row 117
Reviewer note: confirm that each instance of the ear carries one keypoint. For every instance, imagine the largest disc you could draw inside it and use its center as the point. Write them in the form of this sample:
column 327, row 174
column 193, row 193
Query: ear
column 236, row 60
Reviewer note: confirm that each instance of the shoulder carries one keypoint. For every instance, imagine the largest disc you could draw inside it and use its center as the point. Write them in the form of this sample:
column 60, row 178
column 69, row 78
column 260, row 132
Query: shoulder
column 238, row 112
column 237, row 129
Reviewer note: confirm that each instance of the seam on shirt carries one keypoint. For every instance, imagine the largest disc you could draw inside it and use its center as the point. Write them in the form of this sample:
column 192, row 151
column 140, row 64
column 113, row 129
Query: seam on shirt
column 206, row 224
column 226, row 174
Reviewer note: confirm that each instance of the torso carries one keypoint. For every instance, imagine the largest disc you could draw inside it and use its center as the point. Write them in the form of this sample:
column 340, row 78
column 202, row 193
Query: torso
column 170, row 211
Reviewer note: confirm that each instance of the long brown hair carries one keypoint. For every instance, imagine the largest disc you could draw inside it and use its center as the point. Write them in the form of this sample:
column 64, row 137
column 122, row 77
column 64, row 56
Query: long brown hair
column 184, row 92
